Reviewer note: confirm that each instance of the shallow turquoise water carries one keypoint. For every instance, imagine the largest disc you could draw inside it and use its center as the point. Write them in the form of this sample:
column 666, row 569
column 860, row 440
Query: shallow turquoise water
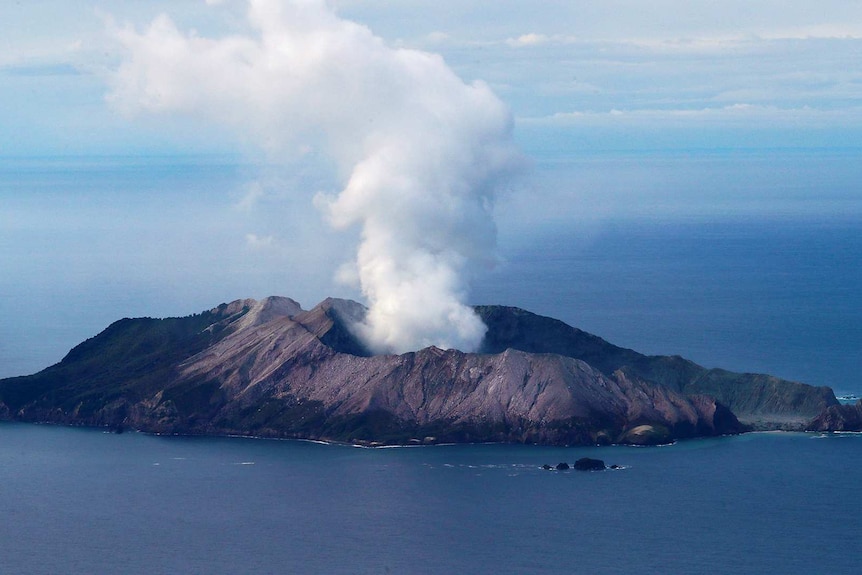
column 83, row 501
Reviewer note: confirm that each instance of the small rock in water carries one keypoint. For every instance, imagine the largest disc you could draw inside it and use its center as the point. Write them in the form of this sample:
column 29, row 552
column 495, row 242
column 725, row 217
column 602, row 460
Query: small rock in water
column 588, row 464
column 562, row 466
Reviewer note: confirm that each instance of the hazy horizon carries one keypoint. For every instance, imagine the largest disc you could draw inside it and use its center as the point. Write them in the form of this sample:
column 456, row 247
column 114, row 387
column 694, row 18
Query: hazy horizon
column 624, row 111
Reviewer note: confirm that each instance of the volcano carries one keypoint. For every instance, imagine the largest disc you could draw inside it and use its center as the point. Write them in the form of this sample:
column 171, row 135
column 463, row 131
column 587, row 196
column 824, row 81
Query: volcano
column 269, row 368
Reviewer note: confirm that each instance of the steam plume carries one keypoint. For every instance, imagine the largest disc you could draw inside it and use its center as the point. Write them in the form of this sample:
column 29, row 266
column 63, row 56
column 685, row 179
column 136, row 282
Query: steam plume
column 421, row 153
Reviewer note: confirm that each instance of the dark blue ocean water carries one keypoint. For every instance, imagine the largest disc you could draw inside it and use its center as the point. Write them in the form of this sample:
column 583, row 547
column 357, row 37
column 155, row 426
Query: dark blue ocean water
column 80, row 501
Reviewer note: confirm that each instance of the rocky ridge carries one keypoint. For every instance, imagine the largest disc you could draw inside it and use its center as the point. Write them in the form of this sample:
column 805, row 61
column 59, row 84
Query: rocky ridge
column 270, row 368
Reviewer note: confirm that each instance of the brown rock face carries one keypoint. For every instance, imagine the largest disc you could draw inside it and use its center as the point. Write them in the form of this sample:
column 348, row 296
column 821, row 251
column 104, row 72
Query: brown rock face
column 838, row 418
column 269, row 368
column 761, row 401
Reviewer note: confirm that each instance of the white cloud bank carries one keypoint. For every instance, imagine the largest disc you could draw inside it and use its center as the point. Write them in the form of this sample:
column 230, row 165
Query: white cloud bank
column 734, row 115
column 420, row 152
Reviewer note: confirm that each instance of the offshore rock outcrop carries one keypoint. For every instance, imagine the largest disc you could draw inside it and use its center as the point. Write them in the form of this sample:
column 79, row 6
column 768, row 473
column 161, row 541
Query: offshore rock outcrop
column 270, row 368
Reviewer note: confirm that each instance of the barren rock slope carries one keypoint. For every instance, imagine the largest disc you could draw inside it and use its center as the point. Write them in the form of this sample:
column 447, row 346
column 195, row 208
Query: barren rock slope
column 270, row 368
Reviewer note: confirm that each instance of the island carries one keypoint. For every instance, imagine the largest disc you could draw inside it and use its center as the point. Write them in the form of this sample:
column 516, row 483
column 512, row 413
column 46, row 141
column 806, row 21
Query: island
column 269, row 368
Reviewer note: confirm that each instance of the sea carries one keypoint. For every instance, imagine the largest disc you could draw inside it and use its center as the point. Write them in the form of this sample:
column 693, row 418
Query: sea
column 83, row 501
column 776, row 291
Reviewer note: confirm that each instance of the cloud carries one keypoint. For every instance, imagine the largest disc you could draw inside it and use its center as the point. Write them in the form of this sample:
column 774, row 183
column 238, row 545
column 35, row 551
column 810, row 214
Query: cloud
column 436, row 37
column 255, row 242
column 421, row 153
column 531, row 39
column 253, row 193
column 743, row 114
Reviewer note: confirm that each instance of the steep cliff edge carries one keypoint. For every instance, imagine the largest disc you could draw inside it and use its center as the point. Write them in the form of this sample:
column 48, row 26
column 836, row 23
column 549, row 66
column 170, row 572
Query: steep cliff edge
column 762, row 401
column 838, row 418
column 270, row 368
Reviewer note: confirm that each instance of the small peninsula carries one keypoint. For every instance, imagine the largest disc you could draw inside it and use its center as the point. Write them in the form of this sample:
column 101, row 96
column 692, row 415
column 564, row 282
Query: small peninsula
column 269, row 368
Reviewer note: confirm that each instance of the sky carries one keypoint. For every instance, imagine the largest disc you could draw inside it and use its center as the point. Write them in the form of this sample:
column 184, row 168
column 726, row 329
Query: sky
column 597, row 76
column 620, row 109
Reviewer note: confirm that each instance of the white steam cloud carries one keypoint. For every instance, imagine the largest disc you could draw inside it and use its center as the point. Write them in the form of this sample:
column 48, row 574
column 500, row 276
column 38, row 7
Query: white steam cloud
column 420, row 152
